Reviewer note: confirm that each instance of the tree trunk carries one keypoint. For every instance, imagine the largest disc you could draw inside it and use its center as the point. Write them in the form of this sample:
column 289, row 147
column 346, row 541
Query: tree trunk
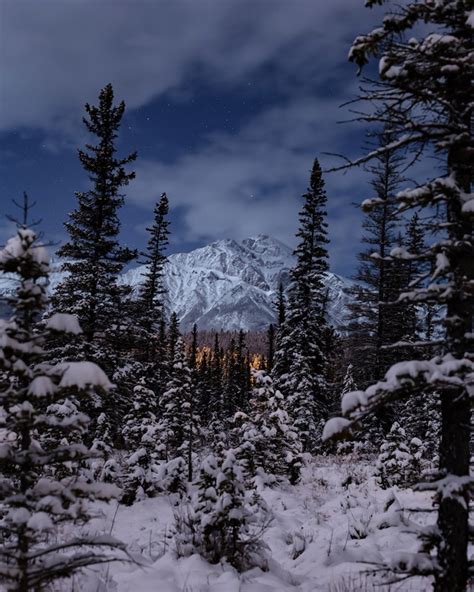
column 453, row 515
column 453, row 512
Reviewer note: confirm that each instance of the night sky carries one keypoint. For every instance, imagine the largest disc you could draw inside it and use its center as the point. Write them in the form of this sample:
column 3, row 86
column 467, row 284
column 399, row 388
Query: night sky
column 228, row 102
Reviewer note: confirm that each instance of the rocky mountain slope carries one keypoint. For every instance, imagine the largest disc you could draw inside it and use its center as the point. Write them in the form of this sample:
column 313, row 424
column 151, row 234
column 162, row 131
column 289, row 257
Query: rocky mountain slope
column 227, row 285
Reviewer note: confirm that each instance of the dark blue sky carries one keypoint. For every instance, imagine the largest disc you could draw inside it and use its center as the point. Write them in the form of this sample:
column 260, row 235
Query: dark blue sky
column 228, row 102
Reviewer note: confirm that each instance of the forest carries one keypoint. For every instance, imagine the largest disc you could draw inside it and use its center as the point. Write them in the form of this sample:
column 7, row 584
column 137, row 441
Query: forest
column 134, row 455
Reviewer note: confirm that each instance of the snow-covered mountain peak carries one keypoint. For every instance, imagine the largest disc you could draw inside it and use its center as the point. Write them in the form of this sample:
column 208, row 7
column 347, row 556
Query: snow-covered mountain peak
column 227, row 284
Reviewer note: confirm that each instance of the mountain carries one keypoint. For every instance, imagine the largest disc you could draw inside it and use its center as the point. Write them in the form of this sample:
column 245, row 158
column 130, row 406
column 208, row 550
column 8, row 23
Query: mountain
column 226, row 285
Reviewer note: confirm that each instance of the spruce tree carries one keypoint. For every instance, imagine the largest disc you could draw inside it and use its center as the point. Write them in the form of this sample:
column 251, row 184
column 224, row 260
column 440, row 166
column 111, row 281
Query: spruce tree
column 178, row 421
column 39, row 490
column 150, row 302
column 425, row 91
column 243, row 366
column 93, row 256
column 270, row 347
column 216, row 382
column 348, row 383
column 203, row 380
column 232, row 381
column 415, row 314
column 301, row 360
column 281, row 305
column 140, row 435
column 225, row 520
column 172, row 338
column 370, row 321
column 265, row 437
column 399, row 461
column 193, row 350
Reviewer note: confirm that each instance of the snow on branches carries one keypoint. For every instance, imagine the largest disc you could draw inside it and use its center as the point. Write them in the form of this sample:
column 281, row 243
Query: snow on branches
column 37, row 492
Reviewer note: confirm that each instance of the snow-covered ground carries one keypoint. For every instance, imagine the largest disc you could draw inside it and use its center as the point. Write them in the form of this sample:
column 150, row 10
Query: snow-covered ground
column 321, row 530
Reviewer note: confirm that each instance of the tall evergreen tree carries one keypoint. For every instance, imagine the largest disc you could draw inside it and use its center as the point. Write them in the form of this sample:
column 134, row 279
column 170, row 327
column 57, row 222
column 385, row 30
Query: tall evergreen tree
column 216, row 382
column 172, row 338
column 178, row 422
column 370, row 323
column 150, row 301
column 94, row 258
column 270, row 347
column 39, row 492
column 425, row 91
column 266, row 439
column 301, row 362
column 415, row 244
column 140, row 435
column 348, row 384
column 193, row 350
column 281, row 304
column 203, row 379
column 243, row 369
column 232, row 381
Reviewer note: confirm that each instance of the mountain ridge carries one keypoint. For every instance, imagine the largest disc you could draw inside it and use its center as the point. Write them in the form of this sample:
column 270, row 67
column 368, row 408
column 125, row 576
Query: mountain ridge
column 226, row 285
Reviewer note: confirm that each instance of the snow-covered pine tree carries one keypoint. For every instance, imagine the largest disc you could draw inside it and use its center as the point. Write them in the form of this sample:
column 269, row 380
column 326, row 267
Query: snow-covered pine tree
column 399, row 461
column 348, row 383
column 425, row 91
column 370, row 319
column 225, row 521
column 300, row 360
column 178, row 421
column 415, row 314
column 140, row 438
column 150, row 305
column 281, row 304
column 38, row 490
column 242, row 367
column 94, row 258
column 270, row 348
column 216, row 383
column 419, row 414
column 235, row 379
column 231, row 387
column 193, row 350
column 172, row 337
column 203, row 379
column 265, row 437
column 197, row 362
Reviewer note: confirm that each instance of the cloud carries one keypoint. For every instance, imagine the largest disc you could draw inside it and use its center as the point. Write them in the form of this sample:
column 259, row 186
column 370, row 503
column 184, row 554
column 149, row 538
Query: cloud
column 239, row 185
column 56, row 56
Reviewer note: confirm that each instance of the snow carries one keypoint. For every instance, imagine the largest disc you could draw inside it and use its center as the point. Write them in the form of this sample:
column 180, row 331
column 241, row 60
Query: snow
column 22, row 242
column 470, row 19
column 400, row 253
column 12, row 250
column 437, row 39
column 468, row 207
column 334, row 426
column 387, row 70
column 41, row 386
column 227, row 284
column 83, row 375
column 320, row 530
column 40, row 521
column 442, row 265
column 64, row 323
